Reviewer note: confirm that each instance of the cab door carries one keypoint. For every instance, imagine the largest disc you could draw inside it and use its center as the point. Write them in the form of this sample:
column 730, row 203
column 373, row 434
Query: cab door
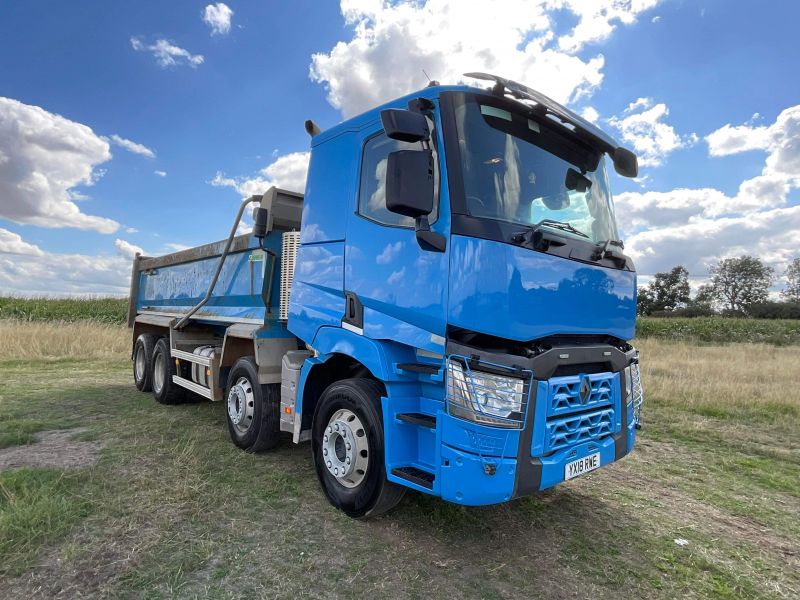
column 395, row 289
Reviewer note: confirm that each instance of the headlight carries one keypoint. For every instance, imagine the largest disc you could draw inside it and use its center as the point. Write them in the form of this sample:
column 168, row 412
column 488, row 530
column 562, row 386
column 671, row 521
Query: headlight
column 628, row 375
column 484, row 397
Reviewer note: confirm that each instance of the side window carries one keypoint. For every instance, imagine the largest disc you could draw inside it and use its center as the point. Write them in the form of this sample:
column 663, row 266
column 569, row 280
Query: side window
column 372, row 189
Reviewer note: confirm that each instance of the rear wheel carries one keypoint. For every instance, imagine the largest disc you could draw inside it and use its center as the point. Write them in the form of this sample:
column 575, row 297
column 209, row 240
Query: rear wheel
column 165, row 391
column 347, row 443
column 253, row 410
column 143, row 360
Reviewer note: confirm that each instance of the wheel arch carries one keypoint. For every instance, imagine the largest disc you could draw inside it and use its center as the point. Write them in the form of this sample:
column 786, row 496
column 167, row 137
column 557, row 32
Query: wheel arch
column 342, row 354
column 152, row 324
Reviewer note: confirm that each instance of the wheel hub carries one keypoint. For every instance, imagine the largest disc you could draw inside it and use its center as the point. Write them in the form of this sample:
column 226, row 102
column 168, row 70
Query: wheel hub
column 241, row 404
column 345, row 450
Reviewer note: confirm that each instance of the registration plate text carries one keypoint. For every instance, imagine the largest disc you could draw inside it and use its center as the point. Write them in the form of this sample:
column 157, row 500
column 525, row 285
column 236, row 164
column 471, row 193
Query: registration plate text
column 581, row 466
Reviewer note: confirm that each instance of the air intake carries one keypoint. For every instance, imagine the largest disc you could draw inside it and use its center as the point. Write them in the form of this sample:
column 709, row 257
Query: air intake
column 289, row 246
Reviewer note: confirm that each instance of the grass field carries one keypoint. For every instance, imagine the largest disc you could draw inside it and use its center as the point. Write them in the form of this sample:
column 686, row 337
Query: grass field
column 172, row 508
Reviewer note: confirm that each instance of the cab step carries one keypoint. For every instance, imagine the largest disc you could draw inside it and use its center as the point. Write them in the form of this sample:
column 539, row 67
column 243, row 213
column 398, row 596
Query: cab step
column 415, row 476
column 416, row 418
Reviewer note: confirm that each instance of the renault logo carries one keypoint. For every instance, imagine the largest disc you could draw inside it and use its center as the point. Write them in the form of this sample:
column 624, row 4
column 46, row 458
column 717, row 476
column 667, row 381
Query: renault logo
column 585, row 390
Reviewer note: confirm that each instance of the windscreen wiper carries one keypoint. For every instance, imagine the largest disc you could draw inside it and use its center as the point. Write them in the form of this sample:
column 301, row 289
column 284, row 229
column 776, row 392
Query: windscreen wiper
column 538, row 239
column 559, row 225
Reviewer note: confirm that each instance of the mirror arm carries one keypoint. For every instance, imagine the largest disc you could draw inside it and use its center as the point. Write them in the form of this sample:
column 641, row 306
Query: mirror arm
column 427, row 239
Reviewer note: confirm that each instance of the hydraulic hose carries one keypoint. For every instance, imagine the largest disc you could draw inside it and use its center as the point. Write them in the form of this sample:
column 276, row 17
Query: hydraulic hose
column 199, row 305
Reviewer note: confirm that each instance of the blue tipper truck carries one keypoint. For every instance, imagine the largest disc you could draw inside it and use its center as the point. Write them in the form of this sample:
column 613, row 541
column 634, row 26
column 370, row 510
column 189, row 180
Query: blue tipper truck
column 448, row 308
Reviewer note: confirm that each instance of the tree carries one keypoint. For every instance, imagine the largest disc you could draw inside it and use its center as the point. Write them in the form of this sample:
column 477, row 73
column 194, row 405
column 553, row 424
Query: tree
column 739, row 283
column 705, row 296
column 791, row 292
column 644, row 302
column 670, row 290
column 666, row 292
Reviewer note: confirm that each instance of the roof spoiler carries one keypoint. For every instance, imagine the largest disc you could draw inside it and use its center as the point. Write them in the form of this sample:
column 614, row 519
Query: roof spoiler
column 625, row 161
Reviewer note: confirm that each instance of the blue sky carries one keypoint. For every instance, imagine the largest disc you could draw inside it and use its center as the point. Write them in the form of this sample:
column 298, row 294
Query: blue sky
column 139, row 126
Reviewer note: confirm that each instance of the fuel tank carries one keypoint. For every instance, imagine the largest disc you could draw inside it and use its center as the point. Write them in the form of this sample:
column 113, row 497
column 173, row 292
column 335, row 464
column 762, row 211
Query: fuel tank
column 520, row 294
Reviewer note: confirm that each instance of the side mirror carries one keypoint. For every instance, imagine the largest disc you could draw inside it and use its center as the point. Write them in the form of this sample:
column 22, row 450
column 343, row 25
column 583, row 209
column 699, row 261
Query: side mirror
column 409, row 183
column 625, row 162
column 404, row 125
column 409, row 192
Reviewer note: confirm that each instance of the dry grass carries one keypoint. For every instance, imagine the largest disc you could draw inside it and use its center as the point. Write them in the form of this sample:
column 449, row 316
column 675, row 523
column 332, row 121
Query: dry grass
column 26, row 340
column 720, row 381
column 172, row 509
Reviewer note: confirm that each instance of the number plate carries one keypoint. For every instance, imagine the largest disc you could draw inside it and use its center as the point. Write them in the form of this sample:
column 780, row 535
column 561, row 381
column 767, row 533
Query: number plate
column 581, row 466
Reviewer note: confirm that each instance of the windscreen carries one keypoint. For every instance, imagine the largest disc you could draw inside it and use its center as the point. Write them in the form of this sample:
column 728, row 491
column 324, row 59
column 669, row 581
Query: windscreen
column 525, row 170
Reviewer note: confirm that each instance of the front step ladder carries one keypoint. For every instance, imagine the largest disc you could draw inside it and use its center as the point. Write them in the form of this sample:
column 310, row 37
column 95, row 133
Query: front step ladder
column 416, row 476
column 416, row 418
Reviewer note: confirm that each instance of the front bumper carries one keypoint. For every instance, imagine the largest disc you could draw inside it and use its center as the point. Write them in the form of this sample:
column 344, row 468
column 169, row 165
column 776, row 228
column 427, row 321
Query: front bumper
column 482, row 464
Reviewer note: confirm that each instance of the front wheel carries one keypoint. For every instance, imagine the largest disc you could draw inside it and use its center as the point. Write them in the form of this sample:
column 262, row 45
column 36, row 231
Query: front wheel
column 347, row 443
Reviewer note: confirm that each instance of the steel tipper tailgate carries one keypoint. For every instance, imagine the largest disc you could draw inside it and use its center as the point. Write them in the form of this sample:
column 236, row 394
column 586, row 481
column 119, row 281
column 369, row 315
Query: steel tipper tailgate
column 567, row 417
column 171, row 285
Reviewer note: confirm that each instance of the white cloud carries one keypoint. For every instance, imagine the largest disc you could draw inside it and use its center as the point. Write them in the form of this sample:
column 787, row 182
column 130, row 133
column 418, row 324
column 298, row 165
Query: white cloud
column 287, row 172
column 590, row 114
column 731, row 140
column 25, row 269
column 173, row 247
column 773, row 235
column 43, row 157
column 696, row 227
column 598, row 18
column 218, row 17
column 167, row 54
column 642, row 126
column 447, row 38
column 131, row 146
column 12, row 243
column 160, row 173
column 126, row 249
column 131, row 230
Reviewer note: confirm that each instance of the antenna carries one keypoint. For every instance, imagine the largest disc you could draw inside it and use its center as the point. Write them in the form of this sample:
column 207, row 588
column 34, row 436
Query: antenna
column 431, row 82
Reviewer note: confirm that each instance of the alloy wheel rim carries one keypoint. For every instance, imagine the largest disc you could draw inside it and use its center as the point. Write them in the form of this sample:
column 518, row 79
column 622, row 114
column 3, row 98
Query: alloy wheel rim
column 241, row 405
column 345, row 448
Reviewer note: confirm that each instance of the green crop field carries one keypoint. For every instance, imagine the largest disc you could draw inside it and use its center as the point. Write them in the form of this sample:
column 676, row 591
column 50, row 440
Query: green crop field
column 714, row 330
column 103, row 492
column 107, row 310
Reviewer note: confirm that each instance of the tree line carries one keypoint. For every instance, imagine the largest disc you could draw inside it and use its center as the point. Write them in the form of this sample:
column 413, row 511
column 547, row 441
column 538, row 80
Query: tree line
column 738, row 287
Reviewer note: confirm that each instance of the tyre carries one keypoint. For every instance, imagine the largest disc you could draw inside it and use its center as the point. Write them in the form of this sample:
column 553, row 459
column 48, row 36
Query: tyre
column 165, row 391
column 347, row 444
column 253, row 410
column 143, row 361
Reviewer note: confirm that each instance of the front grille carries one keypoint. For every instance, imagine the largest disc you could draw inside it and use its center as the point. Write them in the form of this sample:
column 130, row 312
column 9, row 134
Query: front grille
column 573, row 417
column 568, row 431
column 564, row 393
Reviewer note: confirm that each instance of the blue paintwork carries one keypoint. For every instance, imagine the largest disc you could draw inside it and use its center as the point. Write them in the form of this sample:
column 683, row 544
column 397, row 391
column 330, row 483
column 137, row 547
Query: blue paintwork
column 237, row 294
column 317, row 298
column 403, row 288
column 410, row 296
column 520, row 294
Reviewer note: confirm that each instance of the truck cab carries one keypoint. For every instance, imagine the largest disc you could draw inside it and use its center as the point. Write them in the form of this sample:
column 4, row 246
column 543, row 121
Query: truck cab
column 447, row 309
